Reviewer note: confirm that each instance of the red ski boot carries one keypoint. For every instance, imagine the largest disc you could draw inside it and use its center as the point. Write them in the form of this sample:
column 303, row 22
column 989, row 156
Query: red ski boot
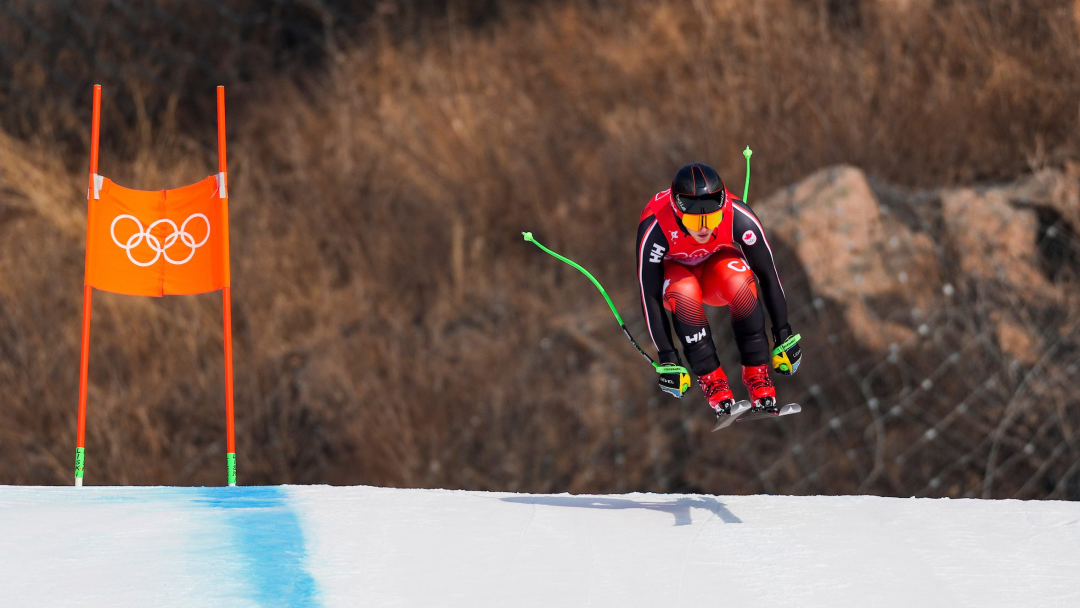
column 762, row 391
column 717, row 391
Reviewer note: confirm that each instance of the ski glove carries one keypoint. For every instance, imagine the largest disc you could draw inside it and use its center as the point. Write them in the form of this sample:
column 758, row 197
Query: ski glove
column 787, row 354
column 676, row 384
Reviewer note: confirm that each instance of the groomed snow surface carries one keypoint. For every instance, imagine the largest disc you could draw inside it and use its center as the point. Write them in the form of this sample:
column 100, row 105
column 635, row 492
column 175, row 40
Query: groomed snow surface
column 363, row 546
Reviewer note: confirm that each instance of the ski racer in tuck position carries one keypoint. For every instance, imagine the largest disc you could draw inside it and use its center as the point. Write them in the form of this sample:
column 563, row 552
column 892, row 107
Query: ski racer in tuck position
column 697, row 244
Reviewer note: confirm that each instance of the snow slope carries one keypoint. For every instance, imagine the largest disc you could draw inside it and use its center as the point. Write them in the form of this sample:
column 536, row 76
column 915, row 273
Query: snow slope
column 362, row 546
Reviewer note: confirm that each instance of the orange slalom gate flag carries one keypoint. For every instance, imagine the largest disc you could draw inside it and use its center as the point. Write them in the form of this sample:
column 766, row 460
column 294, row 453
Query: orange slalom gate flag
column 161, row 242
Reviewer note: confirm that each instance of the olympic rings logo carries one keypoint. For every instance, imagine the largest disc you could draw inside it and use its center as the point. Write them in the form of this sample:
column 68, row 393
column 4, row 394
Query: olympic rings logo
column 160, row 247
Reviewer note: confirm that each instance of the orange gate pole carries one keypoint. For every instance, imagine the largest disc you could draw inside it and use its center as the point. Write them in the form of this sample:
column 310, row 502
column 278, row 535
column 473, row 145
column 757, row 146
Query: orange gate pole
column 226, row 293
column 88, row 292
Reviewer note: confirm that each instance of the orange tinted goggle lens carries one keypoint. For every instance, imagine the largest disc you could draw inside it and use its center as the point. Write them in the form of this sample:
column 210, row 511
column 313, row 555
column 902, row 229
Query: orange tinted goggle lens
column 705, row 220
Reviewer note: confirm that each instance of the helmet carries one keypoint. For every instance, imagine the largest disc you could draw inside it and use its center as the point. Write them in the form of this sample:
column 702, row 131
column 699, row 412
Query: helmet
column 697, row 189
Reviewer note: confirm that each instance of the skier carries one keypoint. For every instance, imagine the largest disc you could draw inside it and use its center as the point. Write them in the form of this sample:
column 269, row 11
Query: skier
column 697, row 244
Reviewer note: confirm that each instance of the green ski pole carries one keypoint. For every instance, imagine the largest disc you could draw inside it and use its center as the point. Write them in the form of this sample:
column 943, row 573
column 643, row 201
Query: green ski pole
column 661, row 369
column 746, row 187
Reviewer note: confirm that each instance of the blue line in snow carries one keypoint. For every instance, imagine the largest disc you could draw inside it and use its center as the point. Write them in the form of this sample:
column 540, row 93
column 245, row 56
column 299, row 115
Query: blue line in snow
column 269, row 540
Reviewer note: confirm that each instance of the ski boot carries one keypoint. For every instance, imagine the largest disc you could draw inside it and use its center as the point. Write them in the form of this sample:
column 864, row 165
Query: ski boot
column 762, row 391
column 717, row 391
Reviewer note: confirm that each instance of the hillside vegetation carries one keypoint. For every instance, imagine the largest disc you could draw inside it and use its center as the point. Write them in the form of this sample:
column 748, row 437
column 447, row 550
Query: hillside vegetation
column 392, row 328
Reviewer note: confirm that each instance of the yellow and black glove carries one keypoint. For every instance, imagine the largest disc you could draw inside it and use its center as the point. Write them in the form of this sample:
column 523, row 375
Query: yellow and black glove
column 787, row 354
column 677, row 381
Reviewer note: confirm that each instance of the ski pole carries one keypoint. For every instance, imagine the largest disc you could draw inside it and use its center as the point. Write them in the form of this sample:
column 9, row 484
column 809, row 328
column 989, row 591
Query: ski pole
column 746, row 187
column 660, row 369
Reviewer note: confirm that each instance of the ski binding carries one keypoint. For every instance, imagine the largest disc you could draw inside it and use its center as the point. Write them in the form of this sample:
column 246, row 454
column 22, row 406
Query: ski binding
column 738, row 409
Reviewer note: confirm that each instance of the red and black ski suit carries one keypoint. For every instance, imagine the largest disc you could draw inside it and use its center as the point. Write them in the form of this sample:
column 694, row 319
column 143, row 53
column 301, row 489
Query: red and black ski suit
column 677, row 273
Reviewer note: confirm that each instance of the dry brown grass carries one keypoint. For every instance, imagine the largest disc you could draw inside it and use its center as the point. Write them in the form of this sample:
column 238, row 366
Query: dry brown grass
column 391, row 327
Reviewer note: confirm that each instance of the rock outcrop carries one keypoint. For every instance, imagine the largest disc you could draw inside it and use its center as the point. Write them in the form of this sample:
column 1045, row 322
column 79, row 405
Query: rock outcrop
column 854, row 253
column 873, row 259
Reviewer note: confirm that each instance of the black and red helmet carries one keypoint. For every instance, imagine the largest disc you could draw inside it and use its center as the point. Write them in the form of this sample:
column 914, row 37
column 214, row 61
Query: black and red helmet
column 698, row 189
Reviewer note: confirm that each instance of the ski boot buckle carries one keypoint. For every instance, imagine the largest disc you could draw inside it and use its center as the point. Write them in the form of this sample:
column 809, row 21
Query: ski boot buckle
column 724, row 408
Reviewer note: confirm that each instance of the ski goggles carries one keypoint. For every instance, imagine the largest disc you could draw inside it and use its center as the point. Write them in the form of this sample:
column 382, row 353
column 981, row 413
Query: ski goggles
column 701, row 221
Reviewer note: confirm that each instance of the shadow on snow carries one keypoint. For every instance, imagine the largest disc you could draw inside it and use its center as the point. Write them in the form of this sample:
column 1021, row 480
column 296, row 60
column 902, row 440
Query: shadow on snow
column 679, row 508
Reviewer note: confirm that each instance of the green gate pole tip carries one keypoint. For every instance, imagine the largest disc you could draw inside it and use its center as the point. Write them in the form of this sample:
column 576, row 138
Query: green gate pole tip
column 527, row 235
column 230, row 459
column 80, row 462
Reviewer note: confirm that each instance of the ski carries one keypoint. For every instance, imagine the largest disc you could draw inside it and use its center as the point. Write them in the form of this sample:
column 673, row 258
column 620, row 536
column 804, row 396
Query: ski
column 791, row 408
column 740, row 408
column 743, row 412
